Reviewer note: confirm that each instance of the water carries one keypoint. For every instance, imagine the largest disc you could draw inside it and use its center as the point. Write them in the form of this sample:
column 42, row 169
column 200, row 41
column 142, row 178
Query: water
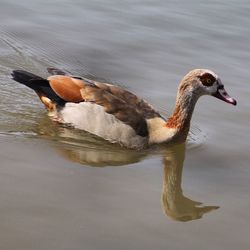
column 65, row 189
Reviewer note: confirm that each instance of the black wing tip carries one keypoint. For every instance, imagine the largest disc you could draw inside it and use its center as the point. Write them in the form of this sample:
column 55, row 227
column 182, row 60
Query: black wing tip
column 55, row 71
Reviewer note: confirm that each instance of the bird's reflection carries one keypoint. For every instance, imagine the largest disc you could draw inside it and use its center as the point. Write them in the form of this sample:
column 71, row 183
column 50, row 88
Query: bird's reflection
column 93, row 151
column 175, row 204
column 108, row 156
column 84, row 148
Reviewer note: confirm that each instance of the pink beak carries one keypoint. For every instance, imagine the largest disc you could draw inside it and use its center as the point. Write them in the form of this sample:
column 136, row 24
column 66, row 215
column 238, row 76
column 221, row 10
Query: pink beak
column 223, row 95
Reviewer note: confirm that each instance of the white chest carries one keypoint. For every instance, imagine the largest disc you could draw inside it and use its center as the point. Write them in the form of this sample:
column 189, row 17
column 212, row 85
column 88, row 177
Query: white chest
column 158, row 132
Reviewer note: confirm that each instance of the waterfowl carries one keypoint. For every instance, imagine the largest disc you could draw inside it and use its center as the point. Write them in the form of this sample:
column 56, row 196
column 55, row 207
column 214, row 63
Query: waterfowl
column 116, row 114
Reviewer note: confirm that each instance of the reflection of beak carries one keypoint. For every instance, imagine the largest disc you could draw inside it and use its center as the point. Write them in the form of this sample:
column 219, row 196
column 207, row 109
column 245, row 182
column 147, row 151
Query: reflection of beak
column 222, row 94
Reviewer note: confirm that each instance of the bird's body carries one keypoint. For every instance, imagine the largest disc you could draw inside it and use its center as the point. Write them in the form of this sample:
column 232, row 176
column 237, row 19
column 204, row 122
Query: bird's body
column 118, row 115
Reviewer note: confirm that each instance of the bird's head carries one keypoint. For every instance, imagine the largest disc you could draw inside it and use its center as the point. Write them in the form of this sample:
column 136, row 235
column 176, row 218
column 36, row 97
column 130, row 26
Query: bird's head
column 205, row 82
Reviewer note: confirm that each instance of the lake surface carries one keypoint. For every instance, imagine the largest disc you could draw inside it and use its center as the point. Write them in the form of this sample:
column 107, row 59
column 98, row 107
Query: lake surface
column 65, row 189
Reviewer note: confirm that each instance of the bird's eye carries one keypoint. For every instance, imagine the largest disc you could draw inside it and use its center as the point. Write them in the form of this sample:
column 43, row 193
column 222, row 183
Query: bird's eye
column 207, row 79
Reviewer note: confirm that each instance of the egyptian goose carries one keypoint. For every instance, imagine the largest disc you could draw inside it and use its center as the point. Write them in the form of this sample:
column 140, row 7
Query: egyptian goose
column 116, row 114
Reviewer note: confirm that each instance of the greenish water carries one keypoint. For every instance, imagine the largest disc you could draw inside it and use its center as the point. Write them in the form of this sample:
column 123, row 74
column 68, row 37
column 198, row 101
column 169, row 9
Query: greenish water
column 65, row 189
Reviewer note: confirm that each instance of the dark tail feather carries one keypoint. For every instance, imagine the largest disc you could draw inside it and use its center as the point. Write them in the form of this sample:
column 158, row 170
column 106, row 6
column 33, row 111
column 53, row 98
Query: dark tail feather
column 38, row 84
column 24, row 77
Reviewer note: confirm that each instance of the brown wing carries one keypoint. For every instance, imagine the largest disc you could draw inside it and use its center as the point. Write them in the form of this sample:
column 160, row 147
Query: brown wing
column 67, row 88
column 141, row 106
column 117, row 107
column 124, row 105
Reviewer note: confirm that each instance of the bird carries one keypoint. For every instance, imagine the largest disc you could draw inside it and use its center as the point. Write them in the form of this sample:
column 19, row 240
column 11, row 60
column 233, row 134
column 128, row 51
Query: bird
column 116, row 114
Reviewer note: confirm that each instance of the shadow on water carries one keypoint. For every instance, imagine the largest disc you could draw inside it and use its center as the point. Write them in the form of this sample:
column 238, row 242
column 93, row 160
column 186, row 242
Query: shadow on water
column 88, row 150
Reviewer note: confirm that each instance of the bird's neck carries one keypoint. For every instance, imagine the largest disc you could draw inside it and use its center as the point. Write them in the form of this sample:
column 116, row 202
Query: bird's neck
column 182, row 114
column 176, row 128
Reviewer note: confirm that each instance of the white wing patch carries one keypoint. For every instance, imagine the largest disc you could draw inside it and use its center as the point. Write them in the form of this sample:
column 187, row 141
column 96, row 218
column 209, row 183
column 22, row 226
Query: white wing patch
column 93, row 119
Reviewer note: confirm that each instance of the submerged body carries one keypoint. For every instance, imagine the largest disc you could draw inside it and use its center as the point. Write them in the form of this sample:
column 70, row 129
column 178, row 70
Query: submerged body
column 116, row 114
